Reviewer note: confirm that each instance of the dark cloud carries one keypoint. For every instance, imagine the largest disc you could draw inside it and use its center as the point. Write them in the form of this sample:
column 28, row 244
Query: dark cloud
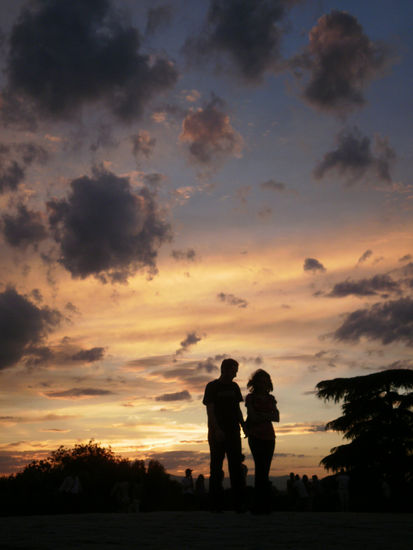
column 158, row 18
column 188, row 254
column 66, row 353
column 354, row 159
column 341, row 61
column 142, row 145
column 365, row 256
column 191, row 339
column 79, row 393
column 387, row 322
column 209, row 133
column 399, row 364
column 365, row 287
column 273, row 185
column 22, row 326
column 89, row 355
column 154, row 179
column 177, row 396
column 406, row 258
column 311, row 264
column 15, row 158
column 104, row 138
column 247, row 31
column 208, row 365
column 232, row 300
column 64, row 55
column 105, row 228
column 23, row 228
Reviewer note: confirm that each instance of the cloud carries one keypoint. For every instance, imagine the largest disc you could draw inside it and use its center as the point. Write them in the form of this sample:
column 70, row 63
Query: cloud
column 89, row 355
column 365, row 256
column 210, row 135
column 177, row 396
column 354, row 159
column 311, row 264
column 22, row 326
column 191, row 339
column 300, row 428
column 142, row 145
column 387, row 322
column 406, row 258
column 77, row 393
column 15, row 158
column 34, row 419
column 158, row 18
column 188, row 254
column 106, row 229
column 179, row 460
column 341, row 61
column 273, row 185
column 365, row 287
column 64, row 354
column 23, row 228
column 232, row 300
column 64, row 55
column 209, row 364
column 246, row 32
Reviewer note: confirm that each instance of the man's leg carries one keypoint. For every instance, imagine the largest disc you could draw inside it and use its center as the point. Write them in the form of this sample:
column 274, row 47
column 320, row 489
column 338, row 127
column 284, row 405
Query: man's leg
column 217, row 452
column 234, row 451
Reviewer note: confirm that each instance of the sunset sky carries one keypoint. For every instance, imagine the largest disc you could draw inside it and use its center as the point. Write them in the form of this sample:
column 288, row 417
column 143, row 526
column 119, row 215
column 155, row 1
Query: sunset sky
column 190, row 180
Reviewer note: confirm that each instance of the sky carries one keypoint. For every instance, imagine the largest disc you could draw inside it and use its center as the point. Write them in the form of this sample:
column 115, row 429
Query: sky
column 191, row 180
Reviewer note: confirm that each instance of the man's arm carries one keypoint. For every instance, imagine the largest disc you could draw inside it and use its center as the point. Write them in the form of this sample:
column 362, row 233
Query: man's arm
column 214, row 429
column 242, row 421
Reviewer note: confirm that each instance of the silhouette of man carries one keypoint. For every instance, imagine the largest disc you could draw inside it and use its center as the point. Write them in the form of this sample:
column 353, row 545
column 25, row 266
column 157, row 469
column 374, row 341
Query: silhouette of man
column 222, row 398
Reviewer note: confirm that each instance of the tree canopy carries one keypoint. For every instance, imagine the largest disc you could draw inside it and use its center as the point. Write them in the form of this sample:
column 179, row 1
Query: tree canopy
column 377, row 419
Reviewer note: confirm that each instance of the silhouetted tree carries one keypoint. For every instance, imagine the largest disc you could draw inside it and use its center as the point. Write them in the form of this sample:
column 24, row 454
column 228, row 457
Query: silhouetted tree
column 377, row 419
column 36, row 488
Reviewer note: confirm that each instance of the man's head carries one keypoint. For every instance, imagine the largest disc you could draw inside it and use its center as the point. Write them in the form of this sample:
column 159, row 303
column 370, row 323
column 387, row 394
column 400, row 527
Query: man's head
column 229, row 369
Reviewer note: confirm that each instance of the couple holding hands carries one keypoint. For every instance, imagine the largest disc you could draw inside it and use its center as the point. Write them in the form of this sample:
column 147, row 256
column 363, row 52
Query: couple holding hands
column 222, row 399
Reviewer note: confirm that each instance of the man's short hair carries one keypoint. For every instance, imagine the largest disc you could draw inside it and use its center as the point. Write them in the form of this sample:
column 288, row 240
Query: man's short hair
column 227, row 363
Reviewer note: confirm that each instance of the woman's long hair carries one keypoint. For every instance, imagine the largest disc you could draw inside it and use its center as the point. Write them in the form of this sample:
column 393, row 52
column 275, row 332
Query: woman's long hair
column 260, row 373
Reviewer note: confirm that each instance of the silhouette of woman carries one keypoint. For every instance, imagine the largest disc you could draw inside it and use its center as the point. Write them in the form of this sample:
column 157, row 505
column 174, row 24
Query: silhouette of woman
column 262, row 411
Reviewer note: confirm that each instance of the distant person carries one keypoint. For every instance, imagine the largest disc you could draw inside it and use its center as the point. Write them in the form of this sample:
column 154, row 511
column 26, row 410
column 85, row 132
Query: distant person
column 188, row 483
column 291, row 491
column 222, row 398
column 188, row 489
column 302, row 496
column 343, row 482
column 200, row 492
column 200, row 485
column 262, row 411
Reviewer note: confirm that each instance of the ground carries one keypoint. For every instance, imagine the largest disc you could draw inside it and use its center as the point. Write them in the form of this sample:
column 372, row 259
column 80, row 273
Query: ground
column 203, row 530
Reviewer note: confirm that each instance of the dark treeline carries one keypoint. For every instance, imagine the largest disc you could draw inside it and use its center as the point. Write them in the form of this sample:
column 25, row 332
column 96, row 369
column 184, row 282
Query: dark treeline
column 88, row 478
column 91, row 478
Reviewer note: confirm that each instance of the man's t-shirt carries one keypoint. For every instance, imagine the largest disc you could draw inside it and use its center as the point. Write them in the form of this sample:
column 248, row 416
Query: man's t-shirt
column 226, row 398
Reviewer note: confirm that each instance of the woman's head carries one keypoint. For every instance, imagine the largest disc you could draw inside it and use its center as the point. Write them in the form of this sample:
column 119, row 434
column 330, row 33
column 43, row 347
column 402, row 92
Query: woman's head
column 260, row 380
